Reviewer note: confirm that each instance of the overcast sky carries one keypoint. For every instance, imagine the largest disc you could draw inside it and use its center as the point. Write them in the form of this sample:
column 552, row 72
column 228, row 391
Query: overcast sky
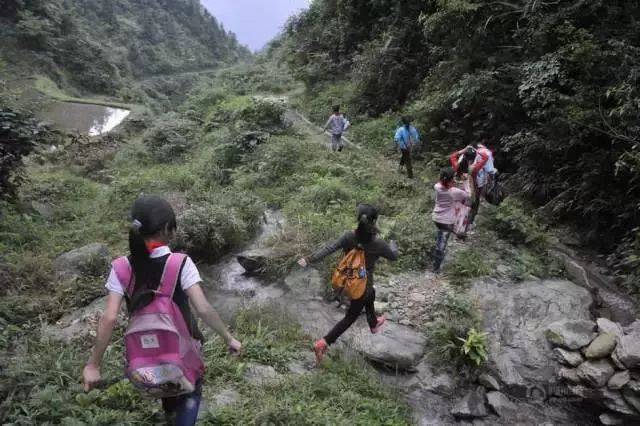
column 255, row 22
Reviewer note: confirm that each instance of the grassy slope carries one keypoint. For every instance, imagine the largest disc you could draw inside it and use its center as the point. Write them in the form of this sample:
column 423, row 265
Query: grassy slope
column 40, row 380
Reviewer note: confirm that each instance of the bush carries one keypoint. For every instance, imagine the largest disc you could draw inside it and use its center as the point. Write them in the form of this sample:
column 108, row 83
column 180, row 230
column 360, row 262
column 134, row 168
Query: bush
column 377, row 133
column 466, row 265
column 263, row 114
column 169, row 138
column 474, row 347
column 209, row 228
column 512, row 223
column 454, row 323
column 19, row 136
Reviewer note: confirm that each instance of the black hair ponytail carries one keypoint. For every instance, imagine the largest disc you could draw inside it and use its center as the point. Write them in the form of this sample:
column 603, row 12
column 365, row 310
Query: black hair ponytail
column 446, row 176
column 367, row 217
column 150, row 216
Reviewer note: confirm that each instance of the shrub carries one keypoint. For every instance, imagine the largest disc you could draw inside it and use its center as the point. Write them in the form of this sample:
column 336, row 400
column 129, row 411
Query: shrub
column 209, row 228
column 454, row 321
column 474, row 347
column 169, row 138
column 264, row 114
column 377, row 133
column 248, row 113
column 19, row 136
column 514, row 224
column 467, row 264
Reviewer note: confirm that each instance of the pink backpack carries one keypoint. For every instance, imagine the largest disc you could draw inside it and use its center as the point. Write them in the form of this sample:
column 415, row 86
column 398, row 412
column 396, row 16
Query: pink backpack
column 162, row 358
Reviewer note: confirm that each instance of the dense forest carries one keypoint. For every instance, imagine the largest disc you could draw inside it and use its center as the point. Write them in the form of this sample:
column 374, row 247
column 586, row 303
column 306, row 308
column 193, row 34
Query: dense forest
column 551, row 86
column 98, row 46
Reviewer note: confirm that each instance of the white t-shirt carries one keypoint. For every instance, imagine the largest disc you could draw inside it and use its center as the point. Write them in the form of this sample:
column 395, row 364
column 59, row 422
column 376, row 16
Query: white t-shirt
column 188, row 278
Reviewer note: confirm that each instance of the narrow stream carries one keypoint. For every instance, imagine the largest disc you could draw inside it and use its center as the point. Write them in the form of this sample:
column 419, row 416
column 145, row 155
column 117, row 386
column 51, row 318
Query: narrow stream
column 230, row 287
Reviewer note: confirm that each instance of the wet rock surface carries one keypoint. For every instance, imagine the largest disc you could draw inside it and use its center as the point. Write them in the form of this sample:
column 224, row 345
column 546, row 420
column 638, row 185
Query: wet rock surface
column 516, row 317
column 472, row 405
column 92, row 259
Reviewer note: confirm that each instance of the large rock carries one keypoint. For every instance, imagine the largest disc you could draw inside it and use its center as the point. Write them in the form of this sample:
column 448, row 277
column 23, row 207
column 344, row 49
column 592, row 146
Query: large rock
column 423, row 380
column 225, row 397
column 566, row 357
column 92, row 259
column 569, row 375
column 516, row 317
column 305, row 284
column 501, row 405
column 616, row 362
column 80, row 323
column 632, row 398
column 473, row 405
column 257, row 261
column 596, row 373
column 570, row 334
column 601, row 346
column 610, row 419
column 618, row 380
column 258, row 373
column 604, row 397
column 607, row 326
column 633, row 328
column 489, row 382
column 628, row 350
column 396, row 346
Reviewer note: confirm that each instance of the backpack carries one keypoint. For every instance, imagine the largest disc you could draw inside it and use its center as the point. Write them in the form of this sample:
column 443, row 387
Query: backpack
column 495, row 193
column 162, row 358
column 350, row 276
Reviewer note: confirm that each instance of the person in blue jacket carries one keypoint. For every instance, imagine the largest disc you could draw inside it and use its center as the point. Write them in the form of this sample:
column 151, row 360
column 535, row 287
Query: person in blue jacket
column 406, row 138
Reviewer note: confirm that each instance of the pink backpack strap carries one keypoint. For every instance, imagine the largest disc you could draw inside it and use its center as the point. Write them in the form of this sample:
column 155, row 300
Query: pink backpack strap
column 123, row 271
column 170, row 274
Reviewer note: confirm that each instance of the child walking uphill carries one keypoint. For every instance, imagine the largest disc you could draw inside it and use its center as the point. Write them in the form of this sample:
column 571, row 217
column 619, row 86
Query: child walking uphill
column 337, row 124
column 406, row 137
column 444, row 212
column 162, row 340
column 364, row 237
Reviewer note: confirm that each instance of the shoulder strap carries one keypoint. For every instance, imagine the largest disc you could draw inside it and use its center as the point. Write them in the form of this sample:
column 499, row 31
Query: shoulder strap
column 170, row 274
column 123, row 271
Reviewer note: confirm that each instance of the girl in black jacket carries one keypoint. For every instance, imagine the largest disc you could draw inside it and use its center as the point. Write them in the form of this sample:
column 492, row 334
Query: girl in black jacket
column 365, row 237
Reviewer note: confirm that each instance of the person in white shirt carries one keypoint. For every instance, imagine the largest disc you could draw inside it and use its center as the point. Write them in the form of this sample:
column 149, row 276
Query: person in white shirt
column 153, row 226
column 337, row 124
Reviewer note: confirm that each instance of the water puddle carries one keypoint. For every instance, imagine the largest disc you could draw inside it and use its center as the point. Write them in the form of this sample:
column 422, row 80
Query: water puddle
column 90, row 119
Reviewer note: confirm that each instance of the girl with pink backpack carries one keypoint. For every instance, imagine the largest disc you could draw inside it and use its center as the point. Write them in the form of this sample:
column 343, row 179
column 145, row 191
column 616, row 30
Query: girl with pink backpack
column 162, row 340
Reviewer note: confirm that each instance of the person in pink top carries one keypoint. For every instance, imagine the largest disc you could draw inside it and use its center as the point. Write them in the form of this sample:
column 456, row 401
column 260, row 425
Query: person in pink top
column 444, row 212
column 153, row 226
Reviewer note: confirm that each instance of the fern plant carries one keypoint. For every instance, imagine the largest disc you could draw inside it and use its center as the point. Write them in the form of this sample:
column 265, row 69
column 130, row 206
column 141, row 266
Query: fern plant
column 474, row 347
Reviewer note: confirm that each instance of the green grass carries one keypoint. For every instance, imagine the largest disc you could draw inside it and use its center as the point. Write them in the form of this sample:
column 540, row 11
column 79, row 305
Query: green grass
column 454, row 316
column 468, row 264
column 42, row 383
column 48, row 88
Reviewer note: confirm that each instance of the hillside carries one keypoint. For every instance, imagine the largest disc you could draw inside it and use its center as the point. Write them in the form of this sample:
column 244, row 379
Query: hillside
column 552, row 87
column 91, row 46
column 523, row 324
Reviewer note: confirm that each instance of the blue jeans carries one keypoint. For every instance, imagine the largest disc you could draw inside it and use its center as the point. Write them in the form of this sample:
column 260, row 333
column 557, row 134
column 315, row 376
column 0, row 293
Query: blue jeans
column 183, row 410
column 444, row 231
